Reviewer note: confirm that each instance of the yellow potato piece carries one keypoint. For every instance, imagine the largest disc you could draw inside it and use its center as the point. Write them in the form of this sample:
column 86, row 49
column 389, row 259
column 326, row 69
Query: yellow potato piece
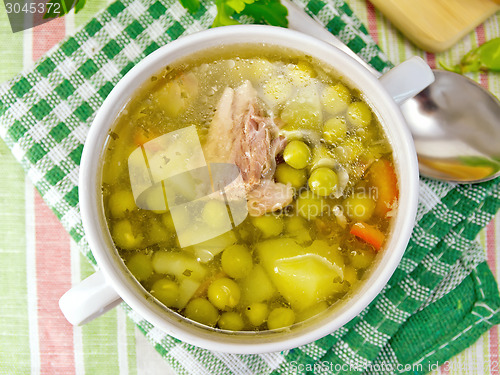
column 303, row 279
column 256, row 287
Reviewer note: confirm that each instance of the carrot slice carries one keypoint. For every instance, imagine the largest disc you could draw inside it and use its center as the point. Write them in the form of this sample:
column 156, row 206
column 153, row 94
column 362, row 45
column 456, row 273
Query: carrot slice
column 383, row 179
column 141, row 137
column 369, row 234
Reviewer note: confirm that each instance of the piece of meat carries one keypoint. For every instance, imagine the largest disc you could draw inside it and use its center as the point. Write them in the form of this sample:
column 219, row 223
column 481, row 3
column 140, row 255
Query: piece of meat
column 228, row 122
column 242, row 135
column 222, row 124
column 277, row 145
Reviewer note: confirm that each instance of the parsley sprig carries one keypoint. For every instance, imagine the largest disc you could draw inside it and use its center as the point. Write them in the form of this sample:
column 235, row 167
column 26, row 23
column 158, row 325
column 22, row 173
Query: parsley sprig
column 59, row 8
column 483, row 58
column 228, row 11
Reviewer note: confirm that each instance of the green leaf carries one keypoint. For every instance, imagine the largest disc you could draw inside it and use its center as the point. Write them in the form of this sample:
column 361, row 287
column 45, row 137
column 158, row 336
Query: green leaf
column 191, row 5
column 262, row 11
column 483, row 58
column 489, row 54
column 79, row 5
column 238, row 5
column 268, row 11
column 59, row 8
column 224, row 15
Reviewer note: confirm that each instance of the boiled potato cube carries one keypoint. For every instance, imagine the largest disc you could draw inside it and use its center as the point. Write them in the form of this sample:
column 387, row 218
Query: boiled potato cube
column 296, row 227
column 207, row 250
column 302, row 279
column 175, row 96
column 277, row 90
column 329, row 252
column 180, row 265
column 256, row 287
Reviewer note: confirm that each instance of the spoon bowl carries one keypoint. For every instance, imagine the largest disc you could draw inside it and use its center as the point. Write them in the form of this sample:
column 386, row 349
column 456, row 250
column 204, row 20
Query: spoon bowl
column 455, row 124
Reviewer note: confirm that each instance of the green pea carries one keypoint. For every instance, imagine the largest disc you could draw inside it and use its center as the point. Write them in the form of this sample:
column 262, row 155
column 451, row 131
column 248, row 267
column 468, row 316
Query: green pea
column 277, row 89
column 309, row 205
column 359, row 206
column 359, row 114
column 289, row 175
column 154, row 199
column 215, row 214
column 269, row 225
column 231, row 321
column 350, row 275
column 120, row 203
column 140, row 266
column 255, row 70
column 336, row 98
column 224, row 293
column 236, row 261
column 297, row 154
column 166, row 291
column 156, row 233
column 168, row 222
column 202, row 311
column 295, row 224
column 280, row 317
column 334, row 129
column 323, row 181
column 124, row 237
column 259, row 69
column 301, row 115
column 301, row 73
column 361, row 259
column 257, row 313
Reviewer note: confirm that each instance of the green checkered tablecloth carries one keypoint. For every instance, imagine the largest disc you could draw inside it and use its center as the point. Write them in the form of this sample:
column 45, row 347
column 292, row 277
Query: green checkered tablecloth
column 441, row 297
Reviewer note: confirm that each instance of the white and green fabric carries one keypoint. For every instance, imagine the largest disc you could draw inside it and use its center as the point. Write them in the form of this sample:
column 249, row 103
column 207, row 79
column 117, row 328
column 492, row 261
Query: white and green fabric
column 441, row 298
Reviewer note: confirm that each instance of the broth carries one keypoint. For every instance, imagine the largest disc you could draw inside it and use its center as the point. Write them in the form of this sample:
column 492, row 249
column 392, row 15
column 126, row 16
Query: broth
column 248, row 188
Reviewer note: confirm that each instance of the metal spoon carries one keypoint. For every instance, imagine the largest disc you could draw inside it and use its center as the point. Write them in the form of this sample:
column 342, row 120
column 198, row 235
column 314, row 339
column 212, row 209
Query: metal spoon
column 455, row 123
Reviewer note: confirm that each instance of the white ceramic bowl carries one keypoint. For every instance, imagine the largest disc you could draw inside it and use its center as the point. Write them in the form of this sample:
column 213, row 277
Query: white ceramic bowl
column 113, row 282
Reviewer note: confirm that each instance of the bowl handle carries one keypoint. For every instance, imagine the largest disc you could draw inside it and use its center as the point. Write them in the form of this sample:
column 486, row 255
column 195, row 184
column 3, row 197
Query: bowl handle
column 89, row 299
column 407, row 79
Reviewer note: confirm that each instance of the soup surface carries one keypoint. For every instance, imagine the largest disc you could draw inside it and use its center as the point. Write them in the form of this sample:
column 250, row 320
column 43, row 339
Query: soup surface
column 248, row 188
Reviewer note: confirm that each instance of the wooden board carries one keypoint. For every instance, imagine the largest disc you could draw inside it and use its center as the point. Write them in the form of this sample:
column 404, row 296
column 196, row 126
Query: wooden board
column 436, row 25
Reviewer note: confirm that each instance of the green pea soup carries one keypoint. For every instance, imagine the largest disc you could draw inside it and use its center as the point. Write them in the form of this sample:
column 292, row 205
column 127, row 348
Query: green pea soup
column 310, row 153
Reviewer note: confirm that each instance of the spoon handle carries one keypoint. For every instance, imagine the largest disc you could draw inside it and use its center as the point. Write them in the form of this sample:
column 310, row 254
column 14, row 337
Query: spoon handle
column 300, row 21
